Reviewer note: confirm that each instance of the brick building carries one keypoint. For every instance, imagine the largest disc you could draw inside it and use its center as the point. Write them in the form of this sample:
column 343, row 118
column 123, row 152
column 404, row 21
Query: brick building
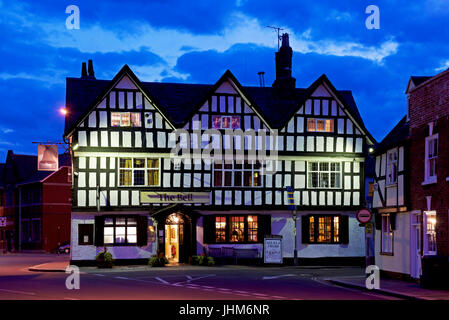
column 40, row 200
column 428, row 112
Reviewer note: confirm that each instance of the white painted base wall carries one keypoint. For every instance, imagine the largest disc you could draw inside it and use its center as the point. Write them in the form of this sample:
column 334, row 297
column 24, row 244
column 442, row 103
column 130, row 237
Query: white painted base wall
column 399, row 262
column 282, row 224
column 88, row 252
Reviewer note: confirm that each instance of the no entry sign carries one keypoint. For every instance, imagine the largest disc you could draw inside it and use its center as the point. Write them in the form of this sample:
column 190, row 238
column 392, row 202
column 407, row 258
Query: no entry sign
column 364, row 216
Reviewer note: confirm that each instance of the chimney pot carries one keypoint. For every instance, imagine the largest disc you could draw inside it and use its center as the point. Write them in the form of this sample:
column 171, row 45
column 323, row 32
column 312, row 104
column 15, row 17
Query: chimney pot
column 90, row 69
column 83, row 70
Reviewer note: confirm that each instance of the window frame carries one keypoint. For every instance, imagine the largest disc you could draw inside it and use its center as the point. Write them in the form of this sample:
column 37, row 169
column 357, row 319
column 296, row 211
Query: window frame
column 386, row 235
column 114, row 226
column 315, row 226
column 340, row 172
column 246, row 229
column 130, row 114
column 233, row 170
column 392, row 164
column 145, row 169
column 221, row 121
column 427, row 177
column 315, row 120
column 426, row 250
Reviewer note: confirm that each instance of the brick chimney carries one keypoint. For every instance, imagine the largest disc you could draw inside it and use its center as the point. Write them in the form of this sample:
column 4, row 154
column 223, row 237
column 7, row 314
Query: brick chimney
column 284, row 83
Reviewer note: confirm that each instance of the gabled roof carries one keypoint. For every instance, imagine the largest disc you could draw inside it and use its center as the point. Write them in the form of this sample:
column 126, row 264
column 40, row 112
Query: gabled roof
column 24, row 167
column 415, row 81
column 178, row 102
column 397, row 136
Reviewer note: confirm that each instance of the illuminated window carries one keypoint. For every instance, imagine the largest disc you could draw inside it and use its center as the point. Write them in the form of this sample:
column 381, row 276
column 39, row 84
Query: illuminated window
column 320, row 125
column 392, row 167
column 324, row 175
column 430, row 243
column 139, row 172
column 237, row 174
column 120, row 230
column 220, row 229
column 324, row 229
column 252, row 228
column 237, row 229
column 125, row 119
column 387, row 235
column 225, row 122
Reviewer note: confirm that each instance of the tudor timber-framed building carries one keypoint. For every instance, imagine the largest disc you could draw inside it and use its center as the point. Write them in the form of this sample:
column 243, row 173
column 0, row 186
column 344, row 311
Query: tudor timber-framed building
column 129, row 196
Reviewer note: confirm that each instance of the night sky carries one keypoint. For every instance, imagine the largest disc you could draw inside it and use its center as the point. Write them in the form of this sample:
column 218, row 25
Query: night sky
column 196, row 41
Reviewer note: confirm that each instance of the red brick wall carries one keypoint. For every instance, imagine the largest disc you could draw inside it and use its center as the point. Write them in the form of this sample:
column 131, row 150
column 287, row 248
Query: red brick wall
column 431, row 103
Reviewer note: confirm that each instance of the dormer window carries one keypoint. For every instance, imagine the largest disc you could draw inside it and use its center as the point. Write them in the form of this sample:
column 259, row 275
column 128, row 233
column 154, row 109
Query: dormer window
column 320, row 125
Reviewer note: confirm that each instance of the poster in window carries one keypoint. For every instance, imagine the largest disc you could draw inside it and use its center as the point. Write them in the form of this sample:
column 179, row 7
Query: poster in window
column 235, row 122
column 216, row 122
column 226, row 122
column 47, row 157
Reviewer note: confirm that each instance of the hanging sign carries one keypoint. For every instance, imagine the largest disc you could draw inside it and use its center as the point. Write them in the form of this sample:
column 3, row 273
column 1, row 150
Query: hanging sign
column 47, row 157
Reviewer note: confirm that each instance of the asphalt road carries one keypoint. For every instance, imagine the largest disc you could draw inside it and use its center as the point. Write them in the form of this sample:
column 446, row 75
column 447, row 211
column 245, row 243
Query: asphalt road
column 176, row 283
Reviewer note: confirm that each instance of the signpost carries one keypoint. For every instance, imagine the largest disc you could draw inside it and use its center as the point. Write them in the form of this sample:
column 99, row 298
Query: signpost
column 272, row 249
column 364, row 216
column 291, row 206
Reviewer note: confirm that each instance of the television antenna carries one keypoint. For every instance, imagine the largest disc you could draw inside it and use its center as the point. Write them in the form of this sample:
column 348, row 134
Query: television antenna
column 278, row 31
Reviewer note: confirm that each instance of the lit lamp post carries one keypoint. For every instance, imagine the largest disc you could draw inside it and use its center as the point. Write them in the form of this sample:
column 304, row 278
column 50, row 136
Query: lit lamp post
column 295, row 252
column 291, row 206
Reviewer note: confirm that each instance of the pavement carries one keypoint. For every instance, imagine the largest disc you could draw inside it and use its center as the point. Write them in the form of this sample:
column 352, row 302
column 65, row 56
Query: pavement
column 395, row 288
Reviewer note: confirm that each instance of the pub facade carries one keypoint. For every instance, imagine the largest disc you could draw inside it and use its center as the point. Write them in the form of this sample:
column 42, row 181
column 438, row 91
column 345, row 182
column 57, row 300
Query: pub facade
column 187, row 169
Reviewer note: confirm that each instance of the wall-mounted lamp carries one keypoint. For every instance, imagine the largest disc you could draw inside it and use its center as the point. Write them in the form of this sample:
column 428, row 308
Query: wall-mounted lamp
column 75, row 147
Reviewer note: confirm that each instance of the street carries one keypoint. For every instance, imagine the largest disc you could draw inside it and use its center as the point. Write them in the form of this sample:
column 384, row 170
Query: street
column 176, row 282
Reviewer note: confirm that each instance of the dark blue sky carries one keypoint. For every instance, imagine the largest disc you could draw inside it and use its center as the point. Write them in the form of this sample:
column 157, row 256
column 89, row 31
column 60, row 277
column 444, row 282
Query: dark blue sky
column 196, row 41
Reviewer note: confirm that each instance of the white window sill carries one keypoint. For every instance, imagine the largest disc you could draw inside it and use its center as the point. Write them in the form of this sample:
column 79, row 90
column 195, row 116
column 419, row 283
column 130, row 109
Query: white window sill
column 430, row 181
column 391, row 185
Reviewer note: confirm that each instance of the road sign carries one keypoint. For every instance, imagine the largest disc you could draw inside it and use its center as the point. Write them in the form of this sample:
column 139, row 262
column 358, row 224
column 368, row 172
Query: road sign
column 291, row 200
column 364, row 215
column 2, row 221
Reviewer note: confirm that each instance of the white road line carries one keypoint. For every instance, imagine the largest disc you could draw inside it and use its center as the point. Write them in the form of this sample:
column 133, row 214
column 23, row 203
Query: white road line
column 277, row 277
column 260, row 294
column 122, row 278
column 189, row 277
column 162, row 280
column 207, row 287
column 279, row 297
column 98, row 274
column 19, row 292
column 241, row 291
column 224, row 289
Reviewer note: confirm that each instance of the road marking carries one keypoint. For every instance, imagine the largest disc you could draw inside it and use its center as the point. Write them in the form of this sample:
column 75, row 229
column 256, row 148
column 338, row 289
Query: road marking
column 260, row 294
column 162, row 280
column 98, row 274
column 224, row 289
column 207, row 287
column 189, row 277
column 70, row 298
column 122, row 278
column 279, row 297
column 19, row 292
column 277, row 277
column 241, row 291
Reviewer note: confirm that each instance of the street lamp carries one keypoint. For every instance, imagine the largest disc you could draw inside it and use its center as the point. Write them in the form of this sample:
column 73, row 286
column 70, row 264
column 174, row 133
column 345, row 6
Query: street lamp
column 295, row 252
